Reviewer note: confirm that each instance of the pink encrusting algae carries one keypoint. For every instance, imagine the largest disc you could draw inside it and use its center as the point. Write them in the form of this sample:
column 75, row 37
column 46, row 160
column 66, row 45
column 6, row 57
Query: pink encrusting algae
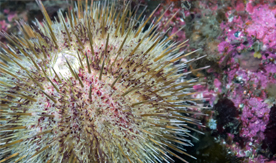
column 94, row 87
column 242, row 56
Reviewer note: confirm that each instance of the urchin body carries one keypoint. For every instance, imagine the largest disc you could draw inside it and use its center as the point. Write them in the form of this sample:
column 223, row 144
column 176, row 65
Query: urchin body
column 92, row 89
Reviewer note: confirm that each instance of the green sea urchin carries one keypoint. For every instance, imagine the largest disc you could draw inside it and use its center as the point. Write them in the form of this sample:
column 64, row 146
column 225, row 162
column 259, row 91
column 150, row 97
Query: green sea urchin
column 92, row 87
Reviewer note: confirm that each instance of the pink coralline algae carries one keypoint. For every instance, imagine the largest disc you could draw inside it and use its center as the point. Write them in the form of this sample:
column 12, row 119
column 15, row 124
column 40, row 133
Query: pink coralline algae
column 262, row 24
column 254, row 118
column 250, row 42
column 245, row 69
column 3, row 25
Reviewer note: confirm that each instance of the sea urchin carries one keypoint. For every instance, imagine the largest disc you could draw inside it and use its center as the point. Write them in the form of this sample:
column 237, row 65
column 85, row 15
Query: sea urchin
column 93, row 86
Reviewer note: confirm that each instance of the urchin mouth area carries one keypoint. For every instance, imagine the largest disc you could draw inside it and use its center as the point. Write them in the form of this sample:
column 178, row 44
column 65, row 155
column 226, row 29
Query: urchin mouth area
column 60, row 66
